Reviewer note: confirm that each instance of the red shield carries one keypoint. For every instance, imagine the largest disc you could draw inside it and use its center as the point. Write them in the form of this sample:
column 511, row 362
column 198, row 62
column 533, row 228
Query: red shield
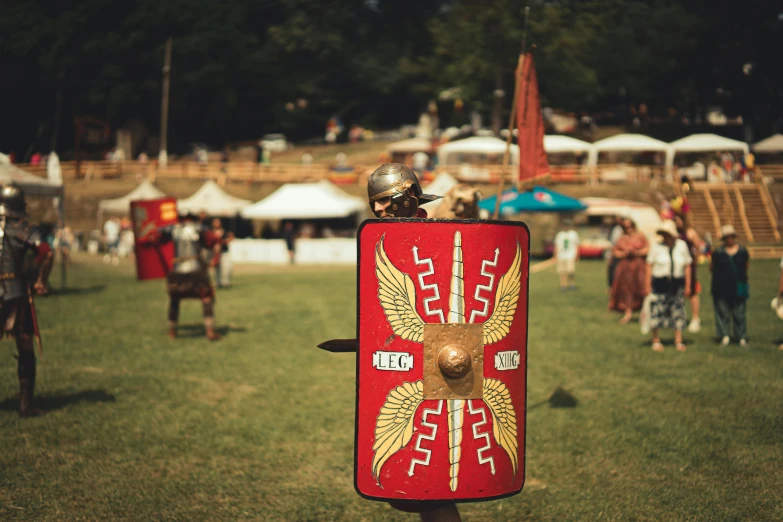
column 442, row 359
column 153, row 261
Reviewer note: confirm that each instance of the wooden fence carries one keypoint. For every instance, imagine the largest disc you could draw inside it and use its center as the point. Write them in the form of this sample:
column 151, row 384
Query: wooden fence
column 251, row 172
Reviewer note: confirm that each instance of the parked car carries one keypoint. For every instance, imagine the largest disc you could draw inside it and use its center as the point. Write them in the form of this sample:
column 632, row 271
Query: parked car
column 274, row 142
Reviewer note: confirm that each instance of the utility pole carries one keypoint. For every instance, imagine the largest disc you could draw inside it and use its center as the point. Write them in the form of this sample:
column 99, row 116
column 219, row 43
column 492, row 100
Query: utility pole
column 164, row 107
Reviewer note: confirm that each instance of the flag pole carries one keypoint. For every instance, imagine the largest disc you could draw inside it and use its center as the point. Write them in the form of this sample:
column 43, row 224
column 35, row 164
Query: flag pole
column 511, row 118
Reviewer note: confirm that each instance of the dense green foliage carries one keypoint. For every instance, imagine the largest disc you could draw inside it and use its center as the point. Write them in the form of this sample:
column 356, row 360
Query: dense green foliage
column 260, row 425
column 238, row 65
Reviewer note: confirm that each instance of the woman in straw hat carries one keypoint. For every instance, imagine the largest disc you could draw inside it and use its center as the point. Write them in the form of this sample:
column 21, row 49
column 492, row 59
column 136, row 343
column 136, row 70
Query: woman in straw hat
column 730, row 291
column 669, row 284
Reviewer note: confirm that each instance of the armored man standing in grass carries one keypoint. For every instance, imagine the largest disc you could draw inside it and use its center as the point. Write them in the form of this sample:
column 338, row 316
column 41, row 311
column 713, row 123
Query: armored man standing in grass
column 189, row 277
column 18, row 313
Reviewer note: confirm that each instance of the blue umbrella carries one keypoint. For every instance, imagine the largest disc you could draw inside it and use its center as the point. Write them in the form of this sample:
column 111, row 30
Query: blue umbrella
column 539, row 199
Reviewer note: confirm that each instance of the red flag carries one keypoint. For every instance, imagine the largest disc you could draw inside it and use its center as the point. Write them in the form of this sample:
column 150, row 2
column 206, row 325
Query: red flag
column 530, row 125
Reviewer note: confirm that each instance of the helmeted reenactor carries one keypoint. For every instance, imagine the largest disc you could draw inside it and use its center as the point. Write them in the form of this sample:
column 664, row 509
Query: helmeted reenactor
column 189, row 275
column 394, row 191
column 17, row 312
column 441, row 353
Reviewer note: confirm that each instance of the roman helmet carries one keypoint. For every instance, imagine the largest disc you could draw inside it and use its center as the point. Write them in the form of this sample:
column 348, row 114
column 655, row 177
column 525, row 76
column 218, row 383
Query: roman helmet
column 12, row 202
column 400, row 184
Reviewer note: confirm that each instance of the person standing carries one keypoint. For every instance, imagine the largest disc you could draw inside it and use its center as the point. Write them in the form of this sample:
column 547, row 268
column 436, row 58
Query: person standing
column 730, row 290
column 189, row 276
column 17, row 312
column 669, row 282
column 221, row 260
column 111, row 233
column 694, row 242
column 393, row 191
column 567, row 255
column 290, row 240
column 780, row 293
column 614, row 236
column 628, row 285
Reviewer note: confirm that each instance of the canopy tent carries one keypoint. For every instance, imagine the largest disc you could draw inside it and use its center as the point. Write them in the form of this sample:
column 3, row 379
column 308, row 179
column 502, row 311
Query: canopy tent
column 213, row 200
column 305, row 201
column 410, row 146
column 646, row 217
column 31, row 185
column 704, row 143
column 454, row 152
column 556, row 144
column 144, row 191
column 626, row 143
column 772, row 144
column 539, row 199
column 440, row 186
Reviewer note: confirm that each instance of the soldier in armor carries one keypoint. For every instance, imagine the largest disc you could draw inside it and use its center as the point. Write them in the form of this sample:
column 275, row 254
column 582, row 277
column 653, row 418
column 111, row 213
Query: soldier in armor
column 394, row 191
column 189, row 277
column 16, row 313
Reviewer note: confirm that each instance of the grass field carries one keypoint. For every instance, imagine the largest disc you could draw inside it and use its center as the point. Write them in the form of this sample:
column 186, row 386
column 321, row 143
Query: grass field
column 260, row 425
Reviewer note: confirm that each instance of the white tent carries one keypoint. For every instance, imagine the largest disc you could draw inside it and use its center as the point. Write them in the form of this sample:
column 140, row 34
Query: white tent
column 410, row 146
column 646, row 217
column 213, row 200
column 627, row 143
column 453, row 153
column 704, row 143
column 31, row 185
column 144, row 191
column 772, row 144
column 306, row 201
column 440, row 187
column 557, row 144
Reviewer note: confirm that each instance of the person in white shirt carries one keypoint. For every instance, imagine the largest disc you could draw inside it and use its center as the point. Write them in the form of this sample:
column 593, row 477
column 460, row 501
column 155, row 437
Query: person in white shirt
column 669, row 282
column 111, row 232
column 567, row 255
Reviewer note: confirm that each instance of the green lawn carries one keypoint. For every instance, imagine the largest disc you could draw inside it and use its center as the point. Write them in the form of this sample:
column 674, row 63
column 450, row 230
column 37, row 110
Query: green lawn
column 260, row 425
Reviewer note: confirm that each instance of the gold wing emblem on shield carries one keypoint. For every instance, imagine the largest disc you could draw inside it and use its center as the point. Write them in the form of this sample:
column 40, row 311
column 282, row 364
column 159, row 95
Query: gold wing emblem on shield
column 394, row 427
column 397, row 294
column 506, row 297
column 504, row 419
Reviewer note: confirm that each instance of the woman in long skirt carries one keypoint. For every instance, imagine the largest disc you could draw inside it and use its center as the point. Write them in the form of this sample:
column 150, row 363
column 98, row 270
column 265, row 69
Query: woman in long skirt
column 628, row 286
column 669, row 282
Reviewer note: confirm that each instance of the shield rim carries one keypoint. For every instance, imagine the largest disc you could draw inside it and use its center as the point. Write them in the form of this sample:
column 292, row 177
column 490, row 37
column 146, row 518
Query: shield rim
column 415, row 503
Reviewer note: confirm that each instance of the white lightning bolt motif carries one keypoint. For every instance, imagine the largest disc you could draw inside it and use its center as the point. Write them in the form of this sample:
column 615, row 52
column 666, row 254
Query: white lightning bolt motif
column 433, row 286
column 488, row 287
column 431, row 437
column 476, row 435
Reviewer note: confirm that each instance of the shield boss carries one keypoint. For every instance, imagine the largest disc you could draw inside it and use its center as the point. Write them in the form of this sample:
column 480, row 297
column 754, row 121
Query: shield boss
column 453, row 361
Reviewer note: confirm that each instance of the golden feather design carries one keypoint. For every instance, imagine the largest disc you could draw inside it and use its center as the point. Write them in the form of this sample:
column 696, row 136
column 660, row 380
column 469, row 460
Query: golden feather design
column 506, row 298
column 394, row 426
column 504, row 419
column 397, row 294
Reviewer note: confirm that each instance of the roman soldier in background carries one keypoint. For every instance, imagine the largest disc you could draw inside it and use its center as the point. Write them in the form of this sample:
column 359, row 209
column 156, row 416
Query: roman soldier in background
column 189, row 276
column 17, row 315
